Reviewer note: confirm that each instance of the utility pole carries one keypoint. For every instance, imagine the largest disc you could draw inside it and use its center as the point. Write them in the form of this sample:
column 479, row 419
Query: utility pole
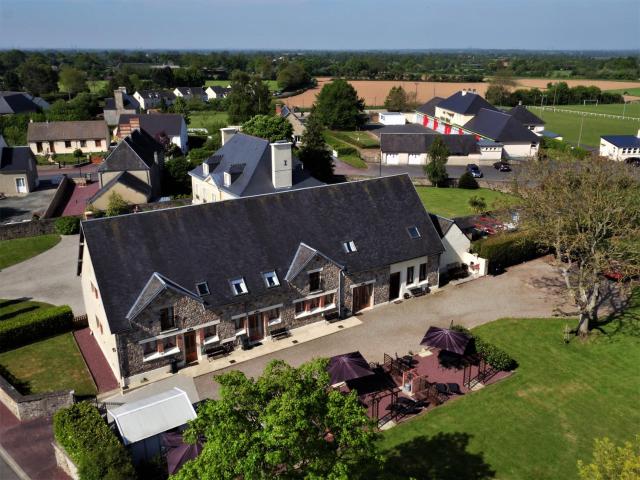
column 624, row 107
column 580, row 135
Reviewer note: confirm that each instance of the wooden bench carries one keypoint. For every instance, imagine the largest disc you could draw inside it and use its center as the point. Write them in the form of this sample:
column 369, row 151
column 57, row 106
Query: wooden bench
column 332, row 317
column 219, row 351
column 280, row 333
column 418, row 291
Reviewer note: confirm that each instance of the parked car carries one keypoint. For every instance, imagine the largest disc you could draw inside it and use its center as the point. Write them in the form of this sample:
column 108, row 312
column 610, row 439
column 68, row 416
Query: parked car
column 633, row 161
column 502, row 166
column 474, row 170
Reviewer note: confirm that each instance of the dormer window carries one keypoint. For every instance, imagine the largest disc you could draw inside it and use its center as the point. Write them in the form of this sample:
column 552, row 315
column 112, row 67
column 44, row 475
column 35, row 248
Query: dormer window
column 271, row 279
column 227, row 179
column 238, row 286
column 349, row 246
column 202, row 288
column 413, row 232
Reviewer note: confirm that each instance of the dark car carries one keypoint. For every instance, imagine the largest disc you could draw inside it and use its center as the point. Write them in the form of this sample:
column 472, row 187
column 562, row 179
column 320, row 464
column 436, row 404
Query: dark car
column 633, row 161
column 474, row 170
column 502, row 166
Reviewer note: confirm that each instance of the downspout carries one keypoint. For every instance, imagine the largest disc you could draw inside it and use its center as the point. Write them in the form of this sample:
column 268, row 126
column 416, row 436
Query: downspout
column 340, row 292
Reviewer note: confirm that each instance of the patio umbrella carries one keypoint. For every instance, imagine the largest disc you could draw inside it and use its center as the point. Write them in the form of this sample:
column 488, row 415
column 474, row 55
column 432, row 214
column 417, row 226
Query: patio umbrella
column 445, row 339
column 348, row 366
column 179, row 452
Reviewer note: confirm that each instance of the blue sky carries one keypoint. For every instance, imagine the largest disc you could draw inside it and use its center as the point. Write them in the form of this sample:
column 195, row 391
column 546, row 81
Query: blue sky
column 321, row 24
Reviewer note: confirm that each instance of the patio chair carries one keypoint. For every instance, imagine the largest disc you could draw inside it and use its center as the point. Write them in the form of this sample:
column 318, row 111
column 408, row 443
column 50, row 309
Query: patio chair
column 454, row 388
column 442, row 388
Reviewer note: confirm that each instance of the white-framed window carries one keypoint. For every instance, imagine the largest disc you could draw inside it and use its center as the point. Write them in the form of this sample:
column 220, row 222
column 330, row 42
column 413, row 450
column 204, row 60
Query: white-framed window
column 149, row 348
column 349, row 246
column 413, row 232
column 211, row 334
column 202, row 288
column 271, row 279
column 239, row 286
column 240, row 325
column 315, row 305
column 272, row 316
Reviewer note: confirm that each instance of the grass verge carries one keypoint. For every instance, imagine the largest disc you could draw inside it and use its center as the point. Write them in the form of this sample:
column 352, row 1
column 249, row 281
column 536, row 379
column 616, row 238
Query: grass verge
column 454, row 202
column 20, row 249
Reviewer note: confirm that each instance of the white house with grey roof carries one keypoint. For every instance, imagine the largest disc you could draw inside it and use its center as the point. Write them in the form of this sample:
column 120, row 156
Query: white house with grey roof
column 622, row 148
column 18, row 171
column 174, row 286
column 248, row 165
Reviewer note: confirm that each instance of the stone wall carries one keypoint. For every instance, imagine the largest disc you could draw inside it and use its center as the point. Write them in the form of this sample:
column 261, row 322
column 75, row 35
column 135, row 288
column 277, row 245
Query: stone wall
column 27, row 229
column 64, row 461
column 60, row 198
column 28, row 407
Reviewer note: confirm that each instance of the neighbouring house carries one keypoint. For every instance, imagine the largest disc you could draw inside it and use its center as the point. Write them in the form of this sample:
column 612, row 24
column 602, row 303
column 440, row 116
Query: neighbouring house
column 18, row 172
column 528, row 119
column 190, row 93
column 216, row 91
column 163, row 288
column 165, row 128
column 20, row 102
column 89, row 136
column 295, row 118
column 121, row 103
column 620, row 147
column 456, row 248
column 391, row 118
column 248, row 165
column 467, row 113
column 133, row 169
column 148, row 99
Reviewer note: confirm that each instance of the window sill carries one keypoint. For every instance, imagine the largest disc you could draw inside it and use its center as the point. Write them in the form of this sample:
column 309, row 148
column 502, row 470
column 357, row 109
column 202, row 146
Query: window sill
column 317, row 311
column 157, row 355
column 169, row 330
column 275, row 321
column 210, row 340
column 241, row 332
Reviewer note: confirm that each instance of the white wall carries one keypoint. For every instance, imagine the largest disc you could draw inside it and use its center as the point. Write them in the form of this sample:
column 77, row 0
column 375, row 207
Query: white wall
column 456, row 244
column 388, row 118
column 520, row 150
column 609, row 150
column 402, row 268
column 59, row 146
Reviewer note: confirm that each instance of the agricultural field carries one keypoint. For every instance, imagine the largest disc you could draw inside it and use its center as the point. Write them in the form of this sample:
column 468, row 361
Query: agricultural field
column 635, row 91
column 629, row 110
column 273, row 85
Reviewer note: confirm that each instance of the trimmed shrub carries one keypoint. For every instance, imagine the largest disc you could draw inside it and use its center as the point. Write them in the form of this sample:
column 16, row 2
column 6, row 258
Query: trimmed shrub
column 67, row 225
column 506, row 249
column 467, row 182
column 493, row 355
column 91, row 444
column 32, row 326
column 344, row 151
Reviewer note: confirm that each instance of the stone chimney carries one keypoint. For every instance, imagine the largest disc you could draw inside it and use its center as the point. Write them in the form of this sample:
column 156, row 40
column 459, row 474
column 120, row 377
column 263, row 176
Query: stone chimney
column 134, row 123
column 281, row 164
column 227, row 133
column 118, row 95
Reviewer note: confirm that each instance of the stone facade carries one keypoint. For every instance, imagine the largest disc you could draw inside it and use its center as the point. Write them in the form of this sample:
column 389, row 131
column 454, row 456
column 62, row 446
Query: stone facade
column 28, row 407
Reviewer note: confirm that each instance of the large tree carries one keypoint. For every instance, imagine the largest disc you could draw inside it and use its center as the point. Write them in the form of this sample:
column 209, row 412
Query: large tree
column 292, row 76
column 269, row 127
column 397, row 100
column 38, row 78
column 338, row 106
column 286, row 424
column 436, row 167
column 72, row 80
column 249, row 96
column 314, row 153
column 588, row 213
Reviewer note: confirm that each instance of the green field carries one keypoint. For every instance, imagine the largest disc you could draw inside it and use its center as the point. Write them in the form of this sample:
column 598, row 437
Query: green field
column 20, row 249
column 208, row 119
column 535, row 424
column 95, row 86
column 454, row 202
column 356, row 138
column 354, row 160
column 273, row 85
column 627, row 91
column 631, row 110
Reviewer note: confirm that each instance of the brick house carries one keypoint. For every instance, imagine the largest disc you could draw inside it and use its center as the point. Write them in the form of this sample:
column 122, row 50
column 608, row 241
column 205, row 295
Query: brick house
column 164, row 287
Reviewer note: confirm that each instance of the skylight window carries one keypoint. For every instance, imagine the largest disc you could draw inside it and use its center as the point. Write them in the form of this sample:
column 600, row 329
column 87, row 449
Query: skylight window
column 202, row 288
column 349, row 246
column 238, row 286
column 413, row 232
column 271, row 279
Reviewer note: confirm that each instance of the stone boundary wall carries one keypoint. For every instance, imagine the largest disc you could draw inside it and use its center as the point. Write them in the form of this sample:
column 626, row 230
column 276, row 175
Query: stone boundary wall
column 31, row 228
column 501, row 186
column 64, row 461
column 28, row 407
column 59, row 198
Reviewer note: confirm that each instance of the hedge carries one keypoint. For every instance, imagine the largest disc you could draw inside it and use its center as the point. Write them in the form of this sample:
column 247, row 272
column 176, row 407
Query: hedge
column 344, row 151
column 506, row 249
column 91, row 444
column 493, row 355
column 32, row 326
column 68, row 225
column 467, row 181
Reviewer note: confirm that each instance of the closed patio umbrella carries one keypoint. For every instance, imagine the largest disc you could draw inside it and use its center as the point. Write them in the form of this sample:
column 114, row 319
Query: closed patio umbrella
column 348, row 366
column 178, row 452
column 445, row 339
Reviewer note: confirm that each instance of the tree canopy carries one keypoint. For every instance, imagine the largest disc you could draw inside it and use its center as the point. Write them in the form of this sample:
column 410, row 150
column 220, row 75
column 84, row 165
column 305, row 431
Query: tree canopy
column 397, row 100
column 611, row 462
column 338, row 106
column 292, row 76
column 269, row 127
column 285, row 424
column 249, row 96
column 72, row 80
column 436, row 169
column 314, row 154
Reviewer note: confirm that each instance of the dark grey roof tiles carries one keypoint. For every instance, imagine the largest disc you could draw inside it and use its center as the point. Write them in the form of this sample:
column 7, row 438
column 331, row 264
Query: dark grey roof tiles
column 501, row 127
column 71, row 130
column 525, row 116
column 16, row 102
column 465, row 103
column 442, row 224
column 421, row 142
column 16, row 159
column 157, row 124
column 430, row 107
column 135, row 152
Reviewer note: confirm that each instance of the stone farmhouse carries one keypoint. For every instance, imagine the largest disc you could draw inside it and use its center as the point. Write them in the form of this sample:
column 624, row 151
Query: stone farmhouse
column 163, row 288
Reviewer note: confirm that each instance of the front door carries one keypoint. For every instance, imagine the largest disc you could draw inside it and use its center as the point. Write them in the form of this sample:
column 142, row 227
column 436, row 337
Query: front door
column 362, row 297
column 394, row 286
column 256, row 328
column 190, row 347
column 21, row 185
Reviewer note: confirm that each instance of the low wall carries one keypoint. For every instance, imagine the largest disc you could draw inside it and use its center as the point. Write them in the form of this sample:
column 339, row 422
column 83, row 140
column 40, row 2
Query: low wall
column 64, row 461
column 31, row 228
column 59, row 199
column 28, row 407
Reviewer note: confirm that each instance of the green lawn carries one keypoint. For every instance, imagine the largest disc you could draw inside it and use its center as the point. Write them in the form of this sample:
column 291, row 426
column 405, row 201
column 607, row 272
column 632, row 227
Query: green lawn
column 12, row 308
column 535, row 424
column 353, row 160
column 20, row 249
column 362, row 139
column 630, row 110
column 47, row 366
column 454, row 202
column 568, row 125
column 208, row 119
column 273, row 85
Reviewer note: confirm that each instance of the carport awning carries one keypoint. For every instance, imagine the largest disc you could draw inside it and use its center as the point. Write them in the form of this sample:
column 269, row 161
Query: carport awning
column 153, row 415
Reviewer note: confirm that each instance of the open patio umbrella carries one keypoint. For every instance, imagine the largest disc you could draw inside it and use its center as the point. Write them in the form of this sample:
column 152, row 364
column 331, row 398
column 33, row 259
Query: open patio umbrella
column 445, row 339
column 348, row 366
column 178, row 452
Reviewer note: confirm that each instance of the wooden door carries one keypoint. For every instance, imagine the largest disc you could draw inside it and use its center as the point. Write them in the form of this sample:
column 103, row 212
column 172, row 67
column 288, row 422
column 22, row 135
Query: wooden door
column 362, row 297
column 394, row 286
column 190, row 347
column 256, row 327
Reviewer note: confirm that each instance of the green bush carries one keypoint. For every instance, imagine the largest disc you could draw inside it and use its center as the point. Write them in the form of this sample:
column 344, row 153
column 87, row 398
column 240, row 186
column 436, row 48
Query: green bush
column 467, row 182
column 32, row 326
column 91, row 444
column 506, row 249
column 344, row 151
column 67, row 225
column 494, row 356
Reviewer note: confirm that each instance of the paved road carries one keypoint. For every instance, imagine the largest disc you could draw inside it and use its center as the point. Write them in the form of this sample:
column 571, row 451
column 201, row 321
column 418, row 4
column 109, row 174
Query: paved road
column 48, row 277
column 17, row 209
column 6, row 473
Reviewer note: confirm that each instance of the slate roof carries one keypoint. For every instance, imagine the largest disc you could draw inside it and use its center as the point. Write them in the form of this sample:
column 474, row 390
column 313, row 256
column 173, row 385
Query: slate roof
column 156, row 94
column 465, row 103
column 421, row 142
column 623, row 141
column 127, row 179
column 500, row 127
column 193, row 91
column 16, row 102
column 406, row 128
column 219, row 90
column 156, row 124
column 16, row 159
column 525, row 116
column 442, row 224
column 73, row 130
column 430, row 107
column 220, row 241
column 303, row 256
column 255, row 178
column 135, row 152
column 156, row 285
column 130, row 103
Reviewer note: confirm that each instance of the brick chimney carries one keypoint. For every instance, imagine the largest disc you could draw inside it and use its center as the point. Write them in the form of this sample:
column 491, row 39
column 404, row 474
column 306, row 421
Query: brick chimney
column 134, row 123
column 278, row 109
column 118, row 95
